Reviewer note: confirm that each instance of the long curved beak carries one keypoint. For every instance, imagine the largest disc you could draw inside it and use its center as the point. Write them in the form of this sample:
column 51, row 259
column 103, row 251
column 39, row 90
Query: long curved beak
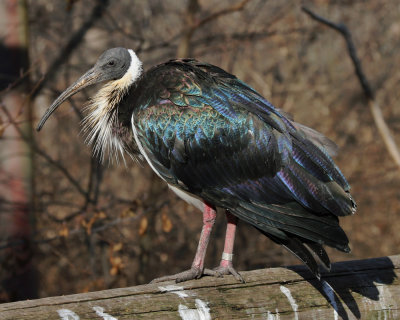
column 89, row 78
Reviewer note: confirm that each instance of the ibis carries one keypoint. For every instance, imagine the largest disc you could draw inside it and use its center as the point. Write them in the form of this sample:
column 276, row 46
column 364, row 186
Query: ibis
column 218, row 143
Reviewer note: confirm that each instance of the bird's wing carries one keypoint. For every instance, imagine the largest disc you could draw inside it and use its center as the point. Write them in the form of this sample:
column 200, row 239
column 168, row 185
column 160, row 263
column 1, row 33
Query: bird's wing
column 210, row 134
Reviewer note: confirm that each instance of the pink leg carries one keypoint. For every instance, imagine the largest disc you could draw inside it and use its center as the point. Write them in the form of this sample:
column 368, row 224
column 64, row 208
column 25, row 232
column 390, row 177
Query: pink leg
column 229, row 240
column 197, row 269
column 209, row 215
column 226, row 266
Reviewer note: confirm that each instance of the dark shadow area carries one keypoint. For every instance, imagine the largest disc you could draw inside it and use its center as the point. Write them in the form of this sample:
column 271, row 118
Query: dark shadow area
column 13, row 61
column 360, row 276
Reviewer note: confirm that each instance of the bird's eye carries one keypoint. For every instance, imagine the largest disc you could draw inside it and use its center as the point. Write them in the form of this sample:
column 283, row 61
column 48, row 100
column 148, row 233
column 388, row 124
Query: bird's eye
column 111, row 62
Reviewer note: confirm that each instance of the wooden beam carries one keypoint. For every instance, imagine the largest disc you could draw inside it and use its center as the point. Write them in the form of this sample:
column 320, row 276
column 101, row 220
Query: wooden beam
column 367, row 289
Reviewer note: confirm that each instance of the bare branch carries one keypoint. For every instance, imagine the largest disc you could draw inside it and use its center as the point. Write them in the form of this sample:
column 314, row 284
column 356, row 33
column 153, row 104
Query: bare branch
column 236, row 7
column 344, row 31
column 72, row 44
column 191, row 25
column 376, row 111
column 384, row 130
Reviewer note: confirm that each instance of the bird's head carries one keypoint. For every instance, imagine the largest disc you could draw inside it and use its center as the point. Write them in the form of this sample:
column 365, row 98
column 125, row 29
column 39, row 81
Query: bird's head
column 118, row 64
column 119, row 68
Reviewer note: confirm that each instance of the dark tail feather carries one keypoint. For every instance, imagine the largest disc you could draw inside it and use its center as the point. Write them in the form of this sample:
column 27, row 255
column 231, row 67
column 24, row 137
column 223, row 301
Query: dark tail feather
column 321, row 254
column 301, row 252
column 293, row 219
column 299, row 231
column 296, row 247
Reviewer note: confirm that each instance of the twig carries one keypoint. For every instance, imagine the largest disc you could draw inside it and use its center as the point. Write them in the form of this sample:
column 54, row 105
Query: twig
column 75, row 232
column 245, row 36
column 72, row 44
column 79, row 230
column 384, row 131
column 375, row 109
column 236, row 7
column 191, row 24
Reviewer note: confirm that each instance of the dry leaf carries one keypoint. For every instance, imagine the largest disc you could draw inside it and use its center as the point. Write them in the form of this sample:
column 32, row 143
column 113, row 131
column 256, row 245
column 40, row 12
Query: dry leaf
column 127, row 212
column 94, row 285
column 164, row 257
column 117, row 247
column 113, row 271
column 85, row 289
column 64, row 232
column 88, row 225
column 101, row 215
column 116, row 263
column 166, row 222
column 143, row 226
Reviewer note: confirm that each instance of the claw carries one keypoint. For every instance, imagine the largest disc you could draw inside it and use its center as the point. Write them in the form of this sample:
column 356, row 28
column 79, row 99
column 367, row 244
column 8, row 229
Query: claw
column 191, row 274
column 224, row 270
column 195, row 273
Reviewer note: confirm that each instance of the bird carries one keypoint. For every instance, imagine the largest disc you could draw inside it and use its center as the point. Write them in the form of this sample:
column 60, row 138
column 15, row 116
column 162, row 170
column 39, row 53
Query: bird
column 219, row 144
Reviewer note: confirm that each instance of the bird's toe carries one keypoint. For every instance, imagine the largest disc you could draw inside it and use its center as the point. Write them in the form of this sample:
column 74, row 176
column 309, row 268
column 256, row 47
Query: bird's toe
column 224, row 270
column 191, row 274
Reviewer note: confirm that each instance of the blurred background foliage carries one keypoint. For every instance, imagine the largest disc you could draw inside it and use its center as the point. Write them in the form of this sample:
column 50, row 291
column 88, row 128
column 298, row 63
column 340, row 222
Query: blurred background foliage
column 70, row 224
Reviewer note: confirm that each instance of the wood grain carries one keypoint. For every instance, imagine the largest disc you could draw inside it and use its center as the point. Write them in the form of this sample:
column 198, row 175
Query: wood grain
column 367, row 289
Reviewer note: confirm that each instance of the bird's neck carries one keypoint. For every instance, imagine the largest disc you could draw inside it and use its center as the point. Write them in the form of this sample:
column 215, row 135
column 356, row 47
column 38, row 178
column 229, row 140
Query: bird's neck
column 102, row 121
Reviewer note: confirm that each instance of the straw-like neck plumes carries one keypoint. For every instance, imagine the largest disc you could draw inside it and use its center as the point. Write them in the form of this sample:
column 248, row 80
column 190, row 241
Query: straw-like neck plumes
column 102, row 118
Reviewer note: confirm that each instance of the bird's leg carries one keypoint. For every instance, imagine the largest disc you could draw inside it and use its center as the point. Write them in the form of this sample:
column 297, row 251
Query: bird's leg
column 197, row 269
column 226, row 266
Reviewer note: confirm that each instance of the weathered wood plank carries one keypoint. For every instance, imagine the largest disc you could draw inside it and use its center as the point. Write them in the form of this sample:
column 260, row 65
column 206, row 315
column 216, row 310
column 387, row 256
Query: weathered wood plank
column 367, row 289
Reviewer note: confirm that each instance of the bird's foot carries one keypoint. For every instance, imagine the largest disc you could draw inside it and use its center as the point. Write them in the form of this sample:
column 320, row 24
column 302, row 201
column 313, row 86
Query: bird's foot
column 192, row 273
column 224, row 270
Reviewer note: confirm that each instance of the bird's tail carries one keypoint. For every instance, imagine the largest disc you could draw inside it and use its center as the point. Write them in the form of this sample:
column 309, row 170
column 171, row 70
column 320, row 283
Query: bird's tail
column 298, row 230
